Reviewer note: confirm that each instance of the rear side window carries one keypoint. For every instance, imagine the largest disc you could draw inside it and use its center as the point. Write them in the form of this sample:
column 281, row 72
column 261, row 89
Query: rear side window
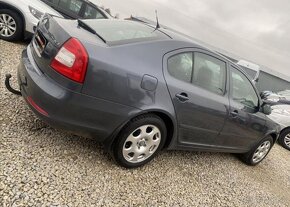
column 93, row 13
column 242, row 90
column 73, row 6
column 180, row 66
column 199, row 69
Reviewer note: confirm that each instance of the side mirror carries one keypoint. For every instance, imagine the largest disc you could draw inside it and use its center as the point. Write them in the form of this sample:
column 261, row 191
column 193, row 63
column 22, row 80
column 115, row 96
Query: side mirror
column 266, row 109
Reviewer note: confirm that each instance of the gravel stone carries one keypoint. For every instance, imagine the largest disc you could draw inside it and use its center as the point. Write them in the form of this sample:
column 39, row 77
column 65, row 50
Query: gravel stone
column 43, row 166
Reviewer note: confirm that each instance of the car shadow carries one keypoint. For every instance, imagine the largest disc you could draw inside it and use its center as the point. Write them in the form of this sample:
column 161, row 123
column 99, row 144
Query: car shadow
column 63, row 147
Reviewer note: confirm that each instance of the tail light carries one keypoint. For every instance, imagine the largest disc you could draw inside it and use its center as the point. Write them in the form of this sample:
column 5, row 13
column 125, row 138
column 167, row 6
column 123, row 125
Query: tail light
column 71, row 60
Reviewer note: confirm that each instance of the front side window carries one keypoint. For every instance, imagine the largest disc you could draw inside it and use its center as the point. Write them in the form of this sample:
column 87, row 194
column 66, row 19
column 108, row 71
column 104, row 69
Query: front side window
column 242, row 90
column 93, row 13
column 199, row 69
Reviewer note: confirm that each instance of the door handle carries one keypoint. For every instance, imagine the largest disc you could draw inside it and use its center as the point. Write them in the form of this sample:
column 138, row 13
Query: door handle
column 182, row 97
column 235, row 113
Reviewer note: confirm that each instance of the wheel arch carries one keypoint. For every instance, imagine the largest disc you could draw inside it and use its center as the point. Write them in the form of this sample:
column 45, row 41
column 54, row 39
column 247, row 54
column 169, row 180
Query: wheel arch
column 168, row 121
column 165, row 116
column 4, row 5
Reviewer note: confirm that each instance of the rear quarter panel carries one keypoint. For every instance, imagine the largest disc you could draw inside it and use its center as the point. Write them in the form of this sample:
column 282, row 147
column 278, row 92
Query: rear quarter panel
column 115, row 74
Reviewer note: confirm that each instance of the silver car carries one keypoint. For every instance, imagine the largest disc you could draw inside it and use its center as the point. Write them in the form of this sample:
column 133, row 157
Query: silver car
column 18, row 18
column 281, row 115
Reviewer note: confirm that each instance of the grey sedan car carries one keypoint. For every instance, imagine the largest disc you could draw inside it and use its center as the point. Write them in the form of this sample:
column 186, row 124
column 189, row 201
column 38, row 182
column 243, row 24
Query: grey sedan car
column 139, row 89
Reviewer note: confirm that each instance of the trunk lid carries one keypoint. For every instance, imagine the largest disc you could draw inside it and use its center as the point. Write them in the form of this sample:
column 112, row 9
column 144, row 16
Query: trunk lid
column 50, row 35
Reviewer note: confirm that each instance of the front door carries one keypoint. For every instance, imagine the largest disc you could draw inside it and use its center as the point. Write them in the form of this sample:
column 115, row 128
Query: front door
column 246, row 123
column 197, row 84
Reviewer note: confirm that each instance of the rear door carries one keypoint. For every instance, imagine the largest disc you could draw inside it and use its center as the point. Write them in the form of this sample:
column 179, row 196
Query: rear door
column 246, row 123
column 197, row 84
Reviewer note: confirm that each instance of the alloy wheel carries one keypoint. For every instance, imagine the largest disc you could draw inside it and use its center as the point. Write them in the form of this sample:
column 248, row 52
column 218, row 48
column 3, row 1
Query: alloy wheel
column 287, row 140
column 141, row 143
column 7, row 25
column 261, row 151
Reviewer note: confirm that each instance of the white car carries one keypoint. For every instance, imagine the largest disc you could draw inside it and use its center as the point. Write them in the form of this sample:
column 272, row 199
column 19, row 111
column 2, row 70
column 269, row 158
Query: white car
column 19, row 18
column 281, row 115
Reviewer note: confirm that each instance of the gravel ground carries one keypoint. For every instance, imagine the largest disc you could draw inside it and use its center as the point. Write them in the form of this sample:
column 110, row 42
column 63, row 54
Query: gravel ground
column 42, row 166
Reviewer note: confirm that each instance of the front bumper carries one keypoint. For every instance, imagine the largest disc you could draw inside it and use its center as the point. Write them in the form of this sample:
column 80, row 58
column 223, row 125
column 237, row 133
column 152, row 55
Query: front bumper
column 62, row 108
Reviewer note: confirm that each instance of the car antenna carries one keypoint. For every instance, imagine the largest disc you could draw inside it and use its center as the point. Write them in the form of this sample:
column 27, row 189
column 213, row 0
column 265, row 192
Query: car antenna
column 157, row 22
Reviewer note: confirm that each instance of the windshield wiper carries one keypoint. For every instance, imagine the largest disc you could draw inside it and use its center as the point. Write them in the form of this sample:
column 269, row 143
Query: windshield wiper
column 90, row 29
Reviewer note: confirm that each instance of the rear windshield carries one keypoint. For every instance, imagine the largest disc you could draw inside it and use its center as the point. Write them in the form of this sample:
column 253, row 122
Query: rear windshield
column 118, row 32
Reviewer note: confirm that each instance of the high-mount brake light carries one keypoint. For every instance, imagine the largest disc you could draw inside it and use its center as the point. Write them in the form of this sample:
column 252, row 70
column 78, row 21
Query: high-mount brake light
column 71, row 60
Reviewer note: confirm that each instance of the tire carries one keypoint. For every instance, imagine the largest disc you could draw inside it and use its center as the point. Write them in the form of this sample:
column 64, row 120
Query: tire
column 259, row 152
column 13, row 30
column 139, row 141
column 284, row 139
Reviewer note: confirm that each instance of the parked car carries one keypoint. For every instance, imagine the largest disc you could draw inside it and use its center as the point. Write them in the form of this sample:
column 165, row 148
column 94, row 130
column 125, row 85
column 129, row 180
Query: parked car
column 139, row 89
column 78, row 9
column 18, row 18
column 272, row 98
column 281, row 115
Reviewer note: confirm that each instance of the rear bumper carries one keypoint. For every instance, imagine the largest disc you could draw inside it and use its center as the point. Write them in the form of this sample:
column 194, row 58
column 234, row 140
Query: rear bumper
column 62, row 108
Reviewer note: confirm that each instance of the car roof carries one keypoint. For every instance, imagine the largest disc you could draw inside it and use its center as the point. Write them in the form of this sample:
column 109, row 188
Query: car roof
column 176, row 35
column 170, row 36
column 165, row 37
column 110, row 27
